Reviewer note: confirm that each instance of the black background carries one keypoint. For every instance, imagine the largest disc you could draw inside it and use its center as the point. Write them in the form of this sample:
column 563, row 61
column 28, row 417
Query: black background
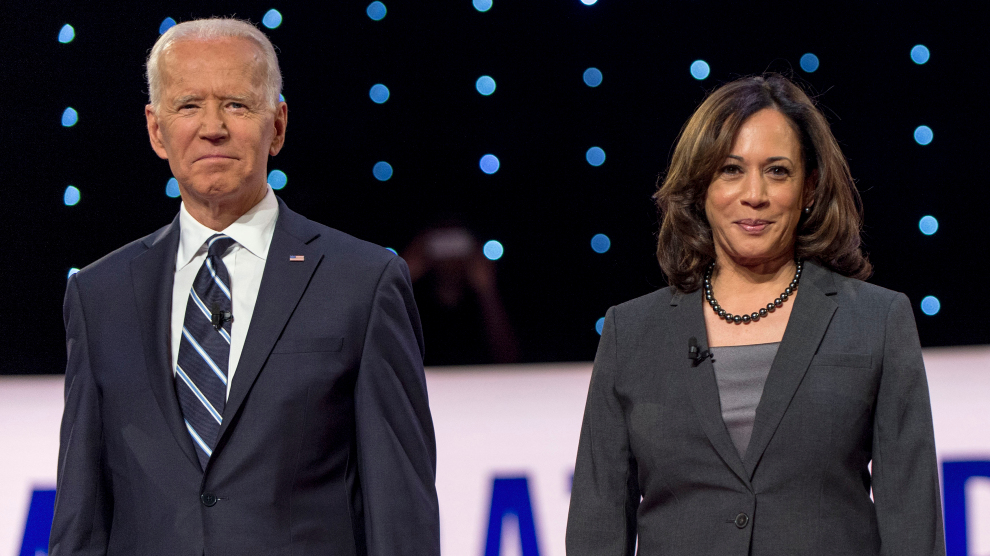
column 546, row 201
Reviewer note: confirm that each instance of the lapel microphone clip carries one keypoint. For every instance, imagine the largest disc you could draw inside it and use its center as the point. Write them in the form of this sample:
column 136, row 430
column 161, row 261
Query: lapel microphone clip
column 218, row 317
column 695, row 354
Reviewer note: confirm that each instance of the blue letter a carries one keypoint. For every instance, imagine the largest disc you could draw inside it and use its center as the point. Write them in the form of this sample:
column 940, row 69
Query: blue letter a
column 510, row 496
column 954, row 477
column 39, row 523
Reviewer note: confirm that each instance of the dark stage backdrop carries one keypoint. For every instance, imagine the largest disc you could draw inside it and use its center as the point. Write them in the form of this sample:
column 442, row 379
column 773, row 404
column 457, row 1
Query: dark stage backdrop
column 545, row 202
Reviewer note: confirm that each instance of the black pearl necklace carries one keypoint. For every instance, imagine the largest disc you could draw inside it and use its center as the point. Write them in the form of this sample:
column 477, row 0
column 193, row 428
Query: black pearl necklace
column 729, row 317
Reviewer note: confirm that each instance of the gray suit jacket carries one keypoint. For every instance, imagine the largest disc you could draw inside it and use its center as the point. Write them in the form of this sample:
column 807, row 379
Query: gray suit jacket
column 656, row 464
column 327, row 444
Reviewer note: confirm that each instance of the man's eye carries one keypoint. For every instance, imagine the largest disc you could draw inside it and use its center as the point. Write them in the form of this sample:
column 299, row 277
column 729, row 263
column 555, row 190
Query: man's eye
column 236, row 105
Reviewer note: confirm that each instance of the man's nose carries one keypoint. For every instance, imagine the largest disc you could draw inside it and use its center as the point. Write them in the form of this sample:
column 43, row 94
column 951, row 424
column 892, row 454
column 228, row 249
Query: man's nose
column 213, row 125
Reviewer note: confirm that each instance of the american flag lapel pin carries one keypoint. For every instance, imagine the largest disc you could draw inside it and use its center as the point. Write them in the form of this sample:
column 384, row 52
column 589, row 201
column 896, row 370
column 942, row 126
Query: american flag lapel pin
column 296, row 258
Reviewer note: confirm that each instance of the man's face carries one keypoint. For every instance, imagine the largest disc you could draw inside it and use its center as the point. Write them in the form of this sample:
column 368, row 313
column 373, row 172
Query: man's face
column 214, row 124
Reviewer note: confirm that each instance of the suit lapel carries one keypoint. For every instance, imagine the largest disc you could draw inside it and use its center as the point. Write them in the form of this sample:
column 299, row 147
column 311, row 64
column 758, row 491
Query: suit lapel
column 810, row 317
column 152, row 274
column 282, row 285
column 688, row 313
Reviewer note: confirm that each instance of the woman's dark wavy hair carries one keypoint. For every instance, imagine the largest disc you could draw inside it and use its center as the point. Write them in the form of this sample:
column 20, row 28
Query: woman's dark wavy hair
column 829, row 235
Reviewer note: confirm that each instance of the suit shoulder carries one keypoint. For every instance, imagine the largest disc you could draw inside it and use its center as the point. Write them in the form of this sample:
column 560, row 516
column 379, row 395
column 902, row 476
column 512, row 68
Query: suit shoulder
column 352, row 252
column 855, row 290
column 644, row 305
column 109, row 266
column 349, row 246
column 351, row 249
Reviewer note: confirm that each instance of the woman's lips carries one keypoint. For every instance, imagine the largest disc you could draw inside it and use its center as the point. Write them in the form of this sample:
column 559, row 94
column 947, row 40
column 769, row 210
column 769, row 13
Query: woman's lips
column 752, row 226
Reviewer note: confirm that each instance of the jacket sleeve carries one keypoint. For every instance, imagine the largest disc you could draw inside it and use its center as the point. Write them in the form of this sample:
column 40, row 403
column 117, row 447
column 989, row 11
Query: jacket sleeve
column 605, row 493
column 905, row 469
column 396, row 443
column 83, row 500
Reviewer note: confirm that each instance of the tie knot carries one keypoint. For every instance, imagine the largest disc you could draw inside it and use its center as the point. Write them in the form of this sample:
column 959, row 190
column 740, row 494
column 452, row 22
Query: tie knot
column 218, row 245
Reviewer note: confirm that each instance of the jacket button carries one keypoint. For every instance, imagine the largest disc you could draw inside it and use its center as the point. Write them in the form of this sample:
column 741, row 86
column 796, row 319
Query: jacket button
column 209, row 500
column 741, row 520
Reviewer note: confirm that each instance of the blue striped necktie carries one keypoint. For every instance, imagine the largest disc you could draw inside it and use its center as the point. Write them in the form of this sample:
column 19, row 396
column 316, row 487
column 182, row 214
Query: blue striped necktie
column 204, row 350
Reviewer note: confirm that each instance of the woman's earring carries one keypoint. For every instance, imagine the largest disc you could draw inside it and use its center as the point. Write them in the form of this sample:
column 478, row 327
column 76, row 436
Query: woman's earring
column 807, row 210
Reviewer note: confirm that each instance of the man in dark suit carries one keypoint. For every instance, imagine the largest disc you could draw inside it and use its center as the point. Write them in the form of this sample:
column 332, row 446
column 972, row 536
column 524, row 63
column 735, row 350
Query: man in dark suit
column 243, row 380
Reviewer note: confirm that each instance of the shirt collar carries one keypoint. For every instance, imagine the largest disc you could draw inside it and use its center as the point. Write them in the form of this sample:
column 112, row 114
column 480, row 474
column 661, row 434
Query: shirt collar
column 252, row 231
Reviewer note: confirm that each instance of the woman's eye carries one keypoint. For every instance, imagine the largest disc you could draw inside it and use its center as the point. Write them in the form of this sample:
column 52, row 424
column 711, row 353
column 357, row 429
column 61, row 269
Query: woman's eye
column 779, row 171
column 731, row 169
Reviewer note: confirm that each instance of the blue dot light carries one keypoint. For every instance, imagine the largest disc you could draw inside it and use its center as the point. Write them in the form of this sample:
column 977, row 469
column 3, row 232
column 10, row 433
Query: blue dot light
column 167, row 24
column 394, row 252
column 70, row 117
column 72, row 271
column 382, row 171
column 700, row 69
column 272, row 19
column 277, row 179
column 172, row 188
column 923, row 135
column 595, row 156
column 493, row 250
column 281, row 97
column 592, row 77
column 920, row 54
column 809, row 62
column 928, row 225
column 377, row 11
column 489, row 164
column 600, row 243
column 599, row 325
column 71, row 196
column 485, row 85
column 930, row 305
column 588, row 2
column 66, row 34
column 379, row 93
column 482, row 5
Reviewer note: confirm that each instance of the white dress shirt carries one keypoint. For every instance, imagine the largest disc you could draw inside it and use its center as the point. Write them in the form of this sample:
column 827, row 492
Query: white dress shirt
column 245, row 262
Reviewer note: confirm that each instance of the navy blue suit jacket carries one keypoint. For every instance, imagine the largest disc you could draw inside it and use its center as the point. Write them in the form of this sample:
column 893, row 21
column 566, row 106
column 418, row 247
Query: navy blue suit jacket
column 327, row 444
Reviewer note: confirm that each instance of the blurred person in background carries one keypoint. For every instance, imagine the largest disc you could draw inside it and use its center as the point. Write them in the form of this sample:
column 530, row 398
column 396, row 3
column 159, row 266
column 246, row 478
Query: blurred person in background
column 754, row 405
column 459, row 303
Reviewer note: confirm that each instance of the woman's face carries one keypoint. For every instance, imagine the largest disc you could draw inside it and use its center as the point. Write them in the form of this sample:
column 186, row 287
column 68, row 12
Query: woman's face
column 755, row 200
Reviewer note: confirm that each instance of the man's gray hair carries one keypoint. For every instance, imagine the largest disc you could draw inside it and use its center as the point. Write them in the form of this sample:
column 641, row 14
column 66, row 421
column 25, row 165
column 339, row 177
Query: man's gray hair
column 213, row 29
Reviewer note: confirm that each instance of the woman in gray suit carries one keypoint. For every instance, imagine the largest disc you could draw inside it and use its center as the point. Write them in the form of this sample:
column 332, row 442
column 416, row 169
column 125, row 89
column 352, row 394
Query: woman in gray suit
column 752, row 406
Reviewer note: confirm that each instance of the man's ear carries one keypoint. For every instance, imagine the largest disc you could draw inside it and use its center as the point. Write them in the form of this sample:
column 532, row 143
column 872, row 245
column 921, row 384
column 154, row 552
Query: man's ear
column 281, row 120
column 155, row 132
